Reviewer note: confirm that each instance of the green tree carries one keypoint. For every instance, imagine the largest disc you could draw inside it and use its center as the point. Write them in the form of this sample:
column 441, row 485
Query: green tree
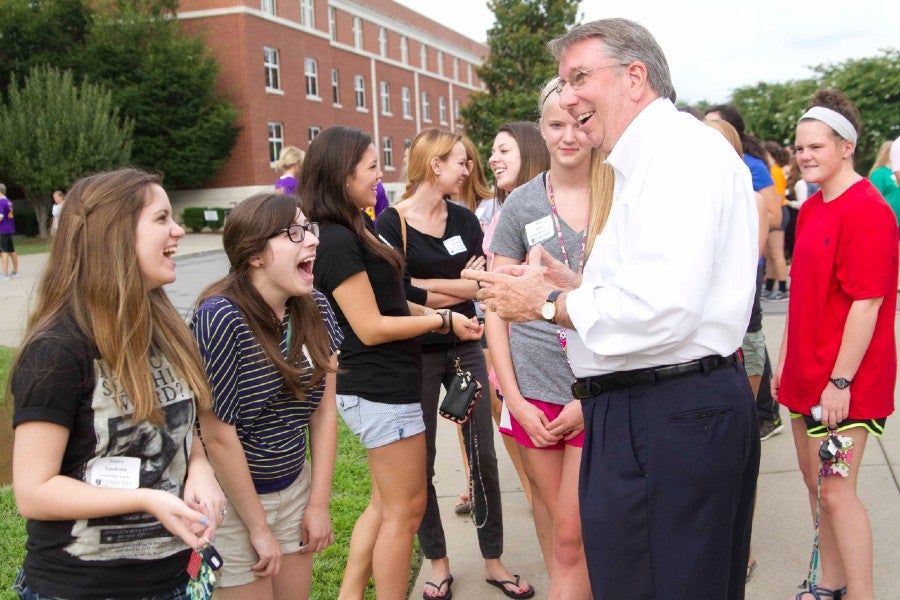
column 53, row 131
column 165, row 82
column 771, row 110
column 518, row 65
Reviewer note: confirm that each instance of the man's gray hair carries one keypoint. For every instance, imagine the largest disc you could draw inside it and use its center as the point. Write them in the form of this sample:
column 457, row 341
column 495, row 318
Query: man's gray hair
column 625, row 41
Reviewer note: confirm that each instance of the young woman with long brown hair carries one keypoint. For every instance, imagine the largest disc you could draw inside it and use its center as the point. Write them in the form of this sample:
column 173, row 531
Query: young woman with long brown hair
column 107, row 466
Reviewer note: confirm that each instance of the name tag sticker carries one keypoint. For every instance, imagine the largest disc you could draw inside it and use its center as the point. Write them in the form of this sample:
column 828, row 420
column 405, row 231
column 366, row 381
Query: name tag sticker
column 540, row 230
column 118, row 472
column 454, row 245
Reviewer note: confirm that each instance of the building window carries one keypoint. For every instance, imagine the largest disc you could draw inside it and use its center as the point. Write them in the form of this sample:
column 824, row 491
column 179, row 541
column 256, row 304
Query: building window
column 357, row 32
column 276, row 141
column 455, row 69
column 270, row 62
column 440, row 62
column 423, row 57
column 442, row 110
column 426, row 107
column 307, row 14
column 382, row 41
column 404, row 50
column 335, row 90
column 456, row 114
column 313, row 132
column 267, row 6
column 405, row 99
column 469, row 72
column 359, row 86
column 332, row 23
column 387, row 152
column 385, row 98
column 312, row 77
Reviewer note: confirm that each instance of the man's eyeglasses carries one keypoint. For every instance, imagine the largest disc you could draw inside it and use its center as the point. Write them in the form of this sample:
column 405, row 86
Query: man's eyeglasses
column 296, row 232
column 578, row 80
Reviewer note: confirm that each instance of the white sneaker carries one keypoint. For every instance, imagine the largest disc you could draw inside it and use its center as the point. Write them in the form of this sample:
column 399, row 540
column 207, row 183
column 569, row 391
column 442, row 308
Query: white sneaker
column 14, row 275
column 4, row 277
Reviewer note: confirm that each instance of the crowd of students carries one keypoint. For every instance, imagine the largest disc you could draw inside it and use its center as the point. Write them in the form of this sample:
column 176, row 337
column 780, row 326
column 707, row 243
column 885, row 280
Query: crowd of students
column 138, row 437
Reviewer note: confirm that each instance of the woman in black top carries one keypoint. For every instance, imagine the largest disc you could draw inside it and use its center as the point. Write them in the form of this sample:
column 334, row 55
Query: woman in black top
column 379, row 371
column 441, row 239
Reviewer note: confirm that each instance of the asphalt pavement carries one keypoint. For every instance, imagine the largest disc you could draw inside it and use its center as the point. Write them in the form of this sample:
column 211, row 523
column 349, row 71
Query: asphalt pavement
column 783, row 530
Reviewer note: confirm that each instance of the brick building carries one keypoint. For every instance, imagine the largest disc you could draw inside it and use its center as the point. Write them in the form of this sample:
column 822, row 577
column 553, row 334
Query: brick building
column 295, row 67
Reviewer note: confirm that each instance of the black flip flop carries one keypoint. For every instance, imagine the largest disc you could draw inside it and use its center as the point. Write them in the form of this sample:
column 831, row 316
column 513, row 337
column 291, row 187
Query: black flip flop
column 447, row 596
column 502, row 585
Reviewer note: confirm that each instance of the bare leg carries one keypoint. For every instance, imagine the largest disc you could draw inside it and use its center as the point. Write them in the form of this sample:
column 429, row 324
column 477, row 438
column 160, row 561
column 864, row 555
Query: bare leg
column 544, row 469
column 294, row 579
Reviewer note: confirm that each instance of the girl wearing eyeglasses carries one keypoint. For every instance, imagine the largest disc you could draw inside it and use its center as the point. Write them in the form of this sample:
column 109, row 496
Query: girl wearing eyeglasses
column 269, row 342
column 378, row 382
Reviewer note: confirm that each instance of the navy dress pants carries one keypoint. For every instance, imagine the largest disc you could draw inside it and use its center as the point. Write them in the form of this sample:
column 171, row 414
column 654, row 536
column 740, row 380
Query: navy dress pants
column 668, row 477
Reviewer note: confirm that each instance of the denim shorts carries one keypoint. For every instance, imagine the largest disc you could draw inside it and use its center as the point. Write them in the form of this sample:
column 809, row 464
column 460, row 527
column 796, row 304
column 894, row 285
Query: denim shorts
column 178, row 593
column 378, row 424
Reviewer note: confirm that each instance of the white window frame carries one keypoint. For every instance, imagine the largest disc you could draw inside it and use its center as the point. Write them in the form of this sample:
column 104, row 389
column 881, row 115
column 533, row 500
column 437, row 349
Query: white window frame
column 423, row 57
column 308, row 14
column 442, row 110
column 406, row 101
column 426, row 107
column 268, row 7
column 332, row 23
column 387, row 152
column 271, row 68
column 335, row 88
column 357, row 33
column 312, row 131
column 359, row 89
column 469, row 72
column 276, row 140
column 404, row 50
column 382, row 41
column 311, row 75
column 440, row 62
column 385, row 89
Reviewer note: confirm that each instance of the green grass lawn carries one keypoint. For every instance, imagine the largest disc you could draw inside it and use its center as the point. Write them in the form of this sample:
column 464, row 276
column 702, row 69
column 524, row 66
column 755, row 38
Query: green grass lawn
column 30, row 245
column 351, row 494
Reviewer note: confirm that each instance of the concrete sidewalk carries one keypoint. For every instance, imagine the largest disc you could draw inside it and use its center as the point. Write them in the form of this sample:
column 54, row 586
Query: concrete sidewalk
column 782, row 531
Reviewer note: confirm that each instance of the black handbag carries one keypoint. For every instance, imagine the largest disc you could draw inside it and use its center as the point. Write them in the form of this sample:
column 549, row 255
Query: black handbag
column 462, row 393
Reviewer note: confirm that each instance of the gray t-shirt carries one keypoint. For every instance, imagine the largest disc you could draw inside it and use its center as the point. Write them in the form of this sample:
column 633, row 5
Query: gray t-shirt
column 542, row 371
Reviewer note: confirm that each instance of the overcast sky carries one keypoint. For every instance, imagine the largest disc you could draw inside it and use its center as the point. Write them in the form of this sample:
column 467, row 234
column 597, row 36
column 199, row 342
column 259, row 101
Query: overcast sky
column 715, row 46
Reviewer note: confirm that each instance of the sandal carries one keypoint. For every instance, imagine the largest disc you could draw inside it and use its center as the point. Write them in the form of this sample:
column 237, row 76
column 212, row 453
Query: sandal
column 751, row 566
column 463, row 505
column 438, row 586
column 821, row 593
column 510, row 594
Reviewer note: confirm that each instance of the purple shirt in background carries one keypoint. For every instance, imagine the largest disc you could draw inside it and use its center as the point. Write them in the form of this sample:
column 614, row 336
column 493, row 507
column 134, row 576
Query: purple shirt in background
column 287, row 184
column 7, row 225
column 381, row 199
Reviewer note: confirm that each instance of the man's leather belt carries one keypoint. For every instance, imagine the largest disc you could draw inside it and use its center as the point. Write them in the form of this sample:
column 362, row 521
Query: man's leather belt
column 587, row 387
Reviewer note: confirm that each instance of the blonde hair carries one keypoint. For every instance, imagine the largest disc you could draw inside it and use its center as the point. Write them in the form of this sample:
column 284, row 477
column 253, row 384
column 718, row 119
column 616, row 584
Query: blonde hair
column 429, row 144
column 730, row 133
column 883, row 158
column 93, row 277
column 474, row 188
column 602, row 184
column 290, row 156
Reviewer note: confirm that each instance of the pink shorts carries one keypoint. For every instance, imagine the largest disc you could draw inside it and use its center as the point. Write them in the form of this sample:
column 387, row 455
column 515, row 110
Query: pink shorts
column 552, row 411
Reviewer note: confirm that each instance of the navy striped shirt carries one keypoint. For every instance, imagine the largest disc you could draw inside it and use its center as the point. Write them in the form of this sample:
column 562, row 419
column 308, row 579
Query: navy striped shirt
column 249, row 392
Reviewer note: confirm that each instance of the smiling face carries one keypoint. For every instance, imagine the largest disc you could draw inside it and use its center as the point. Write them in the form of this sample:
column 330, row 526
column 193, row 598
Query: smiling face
column 567, row 143
column 820, row 154
column 451, row 172
column 363, row 182
column 285, row 268
column 505, row 161
column 601, row 104
column 156, row 238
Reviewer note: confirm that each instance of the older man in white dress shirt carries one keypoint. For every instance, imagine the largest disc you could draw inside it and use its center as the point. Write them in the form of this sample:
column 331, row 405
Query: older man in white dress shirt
column 671, row 453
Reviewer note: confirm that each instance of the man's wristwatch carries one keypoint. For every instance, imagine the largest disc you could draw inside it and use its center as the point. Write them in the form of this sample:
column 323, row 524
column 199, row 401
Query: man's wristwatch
column 840, row 383
column 548, row 310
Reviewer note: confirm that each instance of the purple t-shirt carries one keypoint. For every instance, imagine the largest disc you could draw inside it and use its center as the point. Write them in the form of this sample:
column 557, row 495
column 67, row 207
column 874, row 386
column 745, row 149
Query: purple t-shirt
column 7, row 225
column 287, row 183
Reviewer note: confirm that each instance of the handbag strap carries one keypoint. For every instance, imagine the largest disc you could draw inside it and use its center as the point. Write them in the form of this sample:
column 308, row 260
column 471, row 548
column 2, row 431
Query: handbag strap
column 402, row 228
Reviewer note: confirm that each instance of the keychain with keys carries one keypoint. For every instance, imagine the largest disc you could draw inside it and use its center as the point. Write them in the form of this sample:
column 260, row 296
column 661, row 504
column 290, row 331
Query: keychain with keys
column 835, row 454
column 202, row 565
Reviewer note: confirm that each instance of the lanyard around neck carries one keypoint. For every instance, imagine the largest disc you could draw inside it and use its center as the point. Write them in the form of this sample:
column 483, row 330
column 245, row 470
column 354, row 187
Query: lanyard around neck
column 559, row 234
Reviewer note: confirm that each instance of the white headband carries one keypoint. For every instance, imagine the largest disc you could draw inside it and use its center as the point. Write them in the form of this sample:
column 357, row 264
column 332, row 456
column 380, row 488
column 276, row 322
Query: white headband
column 833, row 119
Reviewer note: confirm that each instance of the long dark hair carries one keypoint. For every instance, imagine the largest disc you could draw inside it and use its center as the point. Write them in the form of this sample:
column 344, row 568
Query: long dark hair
column 731, row 115
column 533, row 153
column 247, row 231
column 330, row 160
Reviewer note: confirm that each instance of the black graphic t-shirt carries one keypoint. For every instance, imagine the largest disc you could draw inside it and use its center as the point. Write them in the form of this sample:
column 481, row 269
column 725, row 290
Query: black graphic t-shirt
column 61, row 379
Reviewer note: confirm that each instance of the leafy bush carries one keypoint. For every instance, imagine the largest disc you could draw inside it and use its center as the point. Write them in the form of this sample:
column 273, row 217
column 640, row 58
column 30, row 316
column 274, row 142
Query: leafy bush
column 195, row 219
